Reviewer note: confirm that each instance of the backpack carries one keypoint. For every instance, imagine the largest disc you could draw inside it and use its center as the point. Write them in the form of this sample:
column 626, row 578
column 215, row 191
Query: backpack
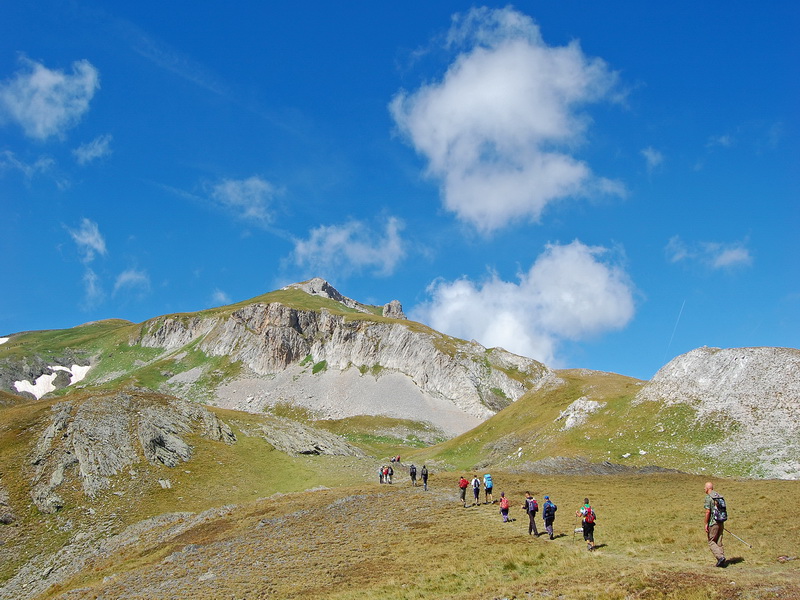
column 487, row 481
column 549, row 510
column 589, row 517
column 503, row 502
column 413, row 471
column 533, row 506
column 720, row 510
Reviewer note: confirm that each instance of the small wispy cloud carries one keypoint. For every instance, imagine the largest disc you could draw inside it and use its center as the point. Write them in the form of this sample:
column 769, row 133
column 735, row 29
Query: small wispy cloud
column 336, row 251
column 720, row 141
column 220, row 298
column 10, row 162
column 132, row 280
column 94, row 293
column 89, row 240
column 248, row 199
column 47, row 102
column 97, row 148
column 714, row 255
column 653, row 158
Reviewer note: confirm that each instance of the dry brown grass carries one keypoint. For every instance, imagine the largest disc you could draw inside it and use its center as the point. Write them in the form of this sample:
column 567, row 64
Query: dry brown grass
column 372, row 541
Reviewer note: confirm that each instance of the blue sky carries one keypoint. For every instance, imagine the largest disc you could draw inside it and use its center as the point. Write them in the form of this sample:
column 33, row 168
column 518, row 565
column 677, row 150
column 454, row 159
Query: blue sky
column 598, row 185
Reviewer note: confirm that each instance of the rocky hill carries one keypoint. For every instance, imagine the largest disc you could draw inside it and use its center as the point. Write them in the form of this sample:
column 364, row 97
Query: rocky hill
column 751, row 395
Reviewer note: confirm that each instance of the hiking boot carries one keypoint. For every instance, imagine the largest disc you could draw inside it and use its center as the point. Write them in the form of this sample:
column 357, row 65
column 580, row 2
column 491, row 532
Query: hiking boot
column 551, row 536
column 721, row 562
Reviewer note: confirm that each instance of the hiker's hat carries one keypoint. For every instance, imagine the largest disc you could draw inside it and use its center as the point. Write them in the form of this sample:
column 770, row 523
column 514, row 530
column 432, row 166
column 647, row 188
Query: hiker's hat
column 547, row 497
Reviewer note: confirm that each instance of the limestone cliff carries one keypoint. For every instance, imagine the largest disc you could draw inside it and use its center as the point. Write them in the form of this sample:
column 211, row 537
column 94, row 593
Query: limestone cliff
column 752, row 395
column 270, row 338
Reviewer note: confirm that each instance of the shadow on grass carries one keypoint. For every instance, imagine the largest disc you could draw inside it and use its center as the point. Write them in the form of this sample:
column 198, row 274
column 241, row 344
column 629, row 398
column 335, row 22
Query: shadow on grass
column 734, row 561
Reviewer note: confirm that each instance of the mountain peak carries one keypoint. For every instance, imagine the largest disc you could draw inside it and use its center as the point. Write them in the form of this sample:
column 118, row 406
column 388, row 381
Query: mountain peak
column 319, row 287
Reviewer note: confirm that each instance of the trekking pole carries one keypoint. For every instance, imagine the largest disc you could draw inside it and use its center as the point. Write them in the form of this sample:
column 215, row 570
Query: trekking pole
column 575, row 529
column 738, row 538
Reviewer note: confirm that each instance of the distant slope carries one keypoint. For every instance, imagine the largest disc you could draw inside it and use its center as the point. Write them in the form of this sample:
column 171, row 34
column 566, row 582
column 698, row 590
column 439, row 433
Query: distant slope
column 305, row 345
column 719, row 412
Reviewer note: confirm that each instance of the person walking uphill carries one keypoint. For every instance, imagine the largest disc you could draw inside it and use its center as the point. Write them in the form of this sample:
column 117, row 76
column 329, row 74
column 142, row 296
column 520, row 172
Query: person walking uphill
column 424, row 474
column 476, row 490
column 487, row 488
column 412, row 471
column 549, row 515
column 504, row 506
column 531, row 507
column 716, row 515
column 463, row 484
column 588, row 516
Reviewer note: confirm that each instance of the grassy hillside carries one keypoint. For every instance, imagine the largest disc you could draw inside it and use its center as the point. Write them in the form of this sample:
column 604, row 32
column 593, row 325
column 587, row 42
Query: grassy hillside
column 536, row 427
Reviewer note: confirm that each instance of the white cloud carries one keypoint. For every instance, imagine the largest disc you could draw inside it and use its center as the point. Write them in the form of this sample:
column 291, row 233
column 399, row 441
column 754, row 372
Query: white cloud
column 653, row 157
column 339, row 250
column 569, row 293
column 497, row 129
column 45, row 102
column 248, row 198
column 94, row 291
column 220, row 298
column 89, row 240
column 9, row 161
column 97, row 148
column 714, row 255
column 133, row 280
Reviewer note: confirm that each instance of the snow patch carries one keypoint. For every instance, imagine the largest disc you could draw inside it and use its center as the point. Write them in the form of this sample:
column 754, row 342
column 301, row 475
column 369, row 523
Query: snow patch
column 577, row 412
column 3, row 340
column 44, row 383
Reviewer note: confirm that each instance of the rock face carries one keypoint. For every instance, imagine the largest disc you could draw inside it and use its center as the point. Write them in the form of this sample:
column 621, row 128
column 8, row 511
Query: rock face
column 752, row 392
column 103, row 434
column 295, row 438
column 269, row 338
column 6, row 513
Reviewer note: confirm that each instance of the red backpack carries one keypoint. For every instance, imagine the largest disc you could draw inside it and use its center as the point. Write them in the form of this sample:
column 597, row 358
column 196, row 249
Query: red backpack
column 503, row 502
column 589, row 516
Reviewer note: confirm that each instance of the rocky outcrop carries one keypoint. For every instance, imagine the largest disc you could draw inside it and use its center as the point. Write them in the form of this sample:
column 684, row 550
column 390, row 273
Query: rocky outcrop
column 103, row 434
column 268, row 338
column 393, row 310
column 753, row 394
column 7, row 515
column 295, row 438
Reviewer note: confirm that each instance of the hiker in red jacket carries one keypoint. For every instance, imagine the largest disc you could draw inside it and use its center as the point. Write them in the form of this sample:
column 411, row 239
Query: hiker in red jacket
column 463, row 484
column 504, row 505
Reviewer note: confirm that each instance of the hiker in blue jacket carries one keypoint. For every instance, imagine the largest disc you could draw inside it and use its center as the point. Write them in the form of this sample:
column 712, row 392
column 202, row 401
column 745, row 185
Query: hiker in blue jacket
column 487, row 488
column 549, row 515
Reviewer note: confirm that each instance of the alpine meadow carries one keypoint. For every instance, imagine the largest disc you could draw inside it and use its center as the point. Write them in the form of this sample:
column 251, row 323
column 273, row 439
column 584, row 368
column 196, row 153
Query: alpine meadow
column 396, row 301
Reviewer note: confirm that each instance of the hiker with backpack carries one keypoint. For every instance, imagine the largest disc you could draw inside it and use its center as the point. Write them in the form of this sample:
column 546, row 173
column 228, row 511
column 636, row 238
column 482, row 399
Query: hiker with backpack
column 531, row 507
column 476, row 490
column 716, row 515
column 487, row 489
column 504, row 506
column 412, row 471
column 549, row 515
column 389, row 473
column 463, row 484
column 424, row 474
column 587, row 523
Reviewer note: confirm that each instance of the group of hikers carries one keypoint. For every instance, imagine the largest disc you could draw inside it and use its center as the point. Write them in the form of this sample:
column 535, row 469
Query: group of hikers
column 715, row 508
column 530, row 505
column 386, row 472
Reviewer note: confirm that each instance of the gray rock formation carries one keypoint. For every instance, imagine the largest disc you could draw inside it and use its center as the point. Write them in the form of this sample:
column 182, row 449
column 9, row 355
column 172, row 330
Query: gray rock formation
column 394, row 310
column 268, row 338
column 99, row 436
column 751, row 393
column 7, row 515
column 30, row 368
column 295, row 438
